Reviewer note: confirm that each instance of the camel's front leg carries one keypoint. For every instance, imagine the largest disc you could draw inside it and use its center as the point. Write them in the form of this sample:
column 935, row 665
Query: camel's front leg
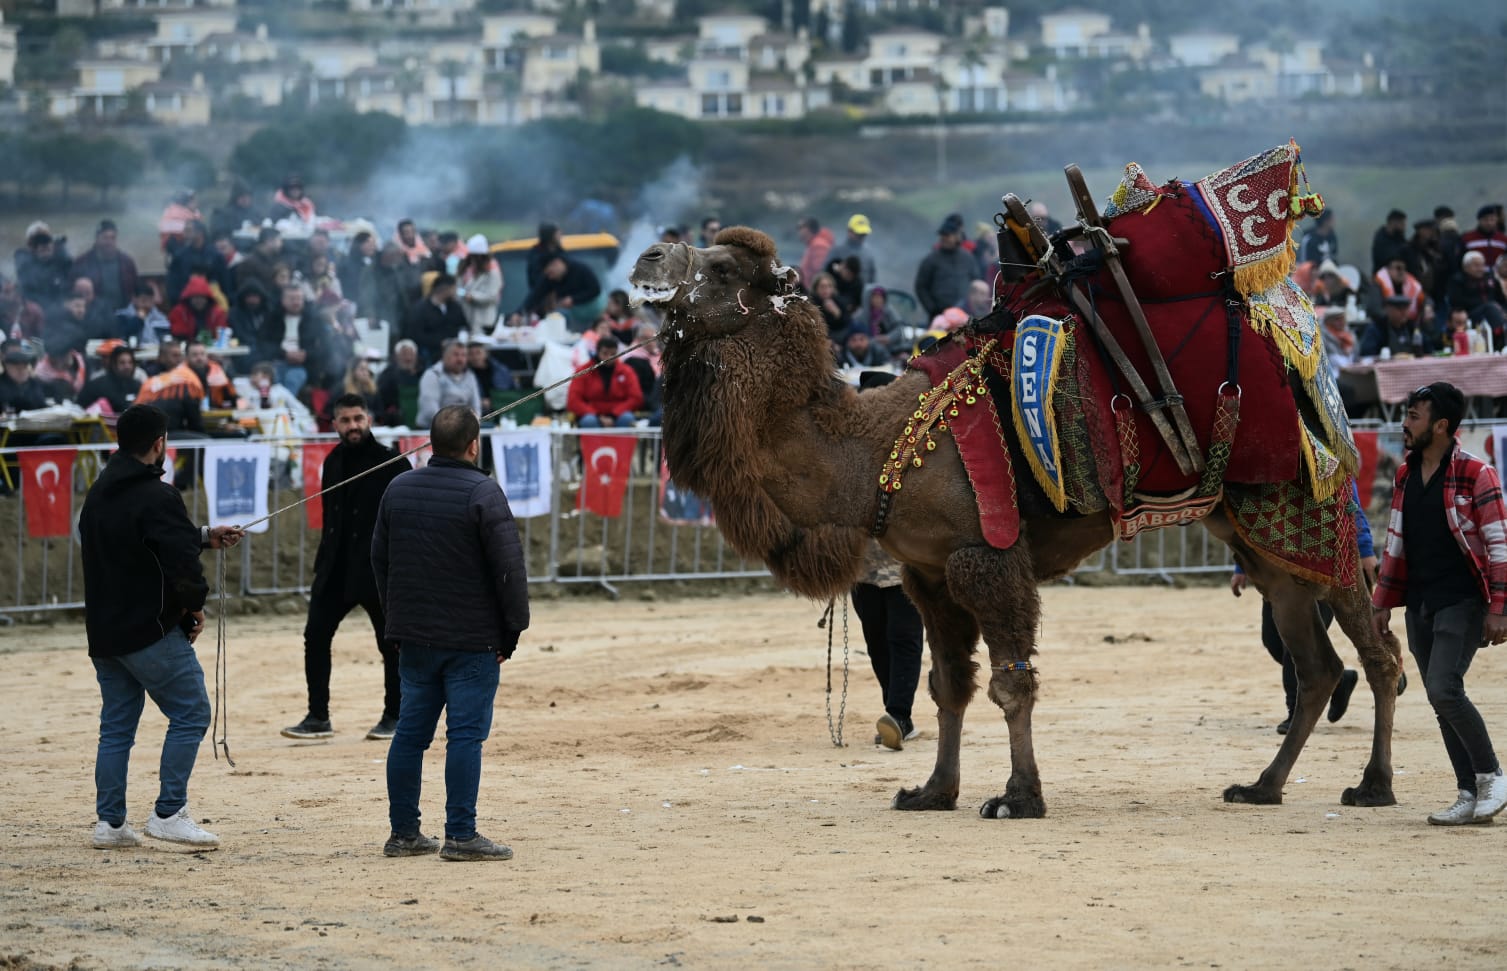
column 1013, row 687
column 952, row 634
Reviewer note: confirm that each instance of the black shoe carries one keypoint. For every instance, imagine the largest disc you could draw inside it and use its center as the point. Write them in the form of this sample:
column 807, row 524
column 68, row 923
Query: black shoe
column 1340, row 700
column 310, row 727
column 415, row 845
column 477, row 847
column 1284, row 725
column 384, row 729
column 1402, row 682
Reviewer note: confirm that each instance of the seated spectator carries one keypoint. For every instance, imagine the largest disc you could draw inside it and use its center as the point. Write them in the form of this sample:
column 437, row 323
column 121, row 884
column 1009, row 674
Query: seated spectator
column 238, row 212
column 1394, row 280
column 583, row 351
column 414, row 249
column 646, row 348
column 110, row 271
column 292, row 211
column 358, row 380
column 1320, row 243
column 564, row 284
column 880, row 320
column 282, row 339
column 435, row 319
column 824, row 296
column 1397, row 334
column 140, row 319
column 399, row 287
column 196, row 315
column 68, row 325
column 63, row 368
column 645, row 362
column 195, row 256
column 401, row 372
column 44, row 269
column 20, row 390
column 608, row 395
column 448, row 382
column 858, row 351
column 263, row 260
column 219, row 393
column 169, row 356
column 490, row 375
column 479, row 286
column 224, row 244
column 1477, row 291
column 98, row 319
column 322, row 287
column 1487, row 238
column 980, row 300
column 445, row 255
column 116, row 386
column 261, row 391
column 1426, row 258
column 619, row 317
column 318, row 244
column 19, row 318
column 248, row 312
column 1459, row 323
column 1339, row 339
column 179, row 394
column 172, row 226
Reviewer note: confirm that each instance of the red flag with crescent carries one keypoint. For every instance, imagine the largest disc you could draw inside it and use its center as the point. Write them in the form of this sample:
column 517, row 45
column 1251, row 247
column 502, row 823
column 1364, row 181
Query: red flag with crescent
column 47, row 490
column 1365, row 444
column 605, row 463
column 314, row 454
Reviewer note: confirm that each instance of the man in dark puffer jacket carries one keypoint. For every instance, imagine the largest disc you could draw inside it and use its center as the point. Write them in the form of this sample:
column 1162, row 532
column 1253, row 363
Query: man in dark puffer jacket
column 450, row 573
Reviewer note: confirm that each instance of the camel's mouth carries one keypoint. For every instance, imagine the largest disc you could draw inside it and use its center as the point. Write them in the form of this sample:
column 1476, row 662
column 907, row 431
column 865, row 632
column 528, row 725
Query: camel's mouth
column 652, row 294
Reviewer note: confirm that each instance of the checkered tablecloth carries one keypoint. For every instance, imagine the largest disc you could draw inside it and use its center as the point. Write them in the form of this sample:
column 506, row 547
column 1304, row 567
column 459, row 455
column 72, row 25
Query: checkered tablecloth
column 1475, row 374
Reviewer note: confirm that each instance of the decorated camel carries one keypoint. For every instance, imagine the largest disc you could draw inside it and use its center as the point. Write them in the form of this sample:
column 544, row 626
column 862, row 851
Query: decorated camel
column 801, row 470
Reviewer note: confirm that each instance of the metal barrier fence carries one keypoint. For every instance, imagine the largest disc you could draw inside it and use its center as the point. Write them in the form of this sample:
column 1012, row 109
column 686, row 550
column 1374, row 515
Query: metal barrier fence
column 565, row 546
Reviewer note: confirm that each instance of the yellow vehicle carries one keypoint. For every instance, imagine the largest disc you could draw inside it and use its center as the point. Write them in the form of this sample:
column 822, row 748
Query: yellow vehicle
column 599, row 251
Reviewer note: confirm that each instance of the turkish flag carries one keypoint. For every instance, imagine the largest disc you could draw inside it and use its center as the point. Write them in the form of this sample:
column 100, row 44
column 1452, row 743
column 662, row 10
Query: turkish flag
column 47, row 490
column 314, row 454
column 605, row 463
column 1365, row 443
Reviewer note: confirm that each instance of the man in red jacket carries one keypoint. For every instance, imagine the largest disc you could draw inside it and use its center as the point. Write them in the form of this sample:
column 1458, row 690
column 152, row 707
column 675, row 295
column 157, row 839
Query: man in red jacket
column 607, row 396
column 1487, row 238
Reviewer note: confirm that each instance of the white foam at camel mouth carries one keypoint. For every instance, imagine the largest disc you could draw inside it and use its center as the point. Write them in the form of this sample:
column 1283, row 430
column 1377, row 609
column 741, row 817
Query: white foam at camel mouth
column 651, row 295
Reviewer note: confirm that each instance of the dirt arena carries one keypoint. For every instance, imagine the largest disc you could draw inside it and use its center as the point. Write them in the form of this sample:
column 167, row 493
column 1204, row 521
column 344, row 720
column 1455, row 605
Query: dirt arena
column 664, row 774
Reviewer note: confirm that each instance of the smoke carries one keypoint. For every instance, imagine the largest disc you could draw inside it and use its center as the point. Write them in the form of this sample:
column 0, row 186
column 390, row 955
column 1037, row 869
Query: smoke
column 428, row 177
column 674, row 197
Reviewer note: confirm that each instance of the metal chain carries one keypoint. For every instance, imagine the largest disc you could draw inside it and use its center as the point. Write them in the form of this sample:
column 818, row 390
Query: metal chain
column 836, row 731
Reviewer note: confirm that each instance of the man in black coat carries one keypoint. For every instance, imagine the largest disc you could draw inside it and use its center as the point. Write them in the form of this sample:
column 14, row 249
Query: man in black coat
column 563, row 284
column 436, row 318
column 195, row 256
column 144, row 593
column 451, row 575
column 116, row 384
column 343, row 576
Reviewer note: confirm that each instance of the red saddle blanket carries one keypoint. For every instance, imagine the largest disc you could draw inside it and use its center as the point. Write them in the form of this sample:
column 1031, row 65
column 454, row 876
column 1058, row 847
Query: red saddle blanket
column 1173, row 260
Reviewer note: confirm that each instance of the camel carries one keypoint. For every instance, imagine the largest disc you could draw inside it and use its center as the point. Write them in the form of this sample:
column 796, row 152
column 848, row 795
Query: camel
column 757, row 420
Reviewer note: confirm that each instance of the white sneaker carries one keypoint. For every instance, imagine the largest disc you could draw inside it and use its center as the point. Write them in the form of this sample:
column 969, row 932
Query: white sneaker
column 1491, row 795
column 107, row 837
column 1462, row 812
column 181, row 828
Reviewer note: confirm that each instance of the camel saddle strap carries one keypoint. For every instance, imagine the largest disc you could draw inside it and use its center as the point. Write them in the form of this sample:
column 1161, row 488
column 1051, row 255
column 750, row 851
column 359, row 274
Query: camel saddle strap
column 1053, row 274
column 1190, row 457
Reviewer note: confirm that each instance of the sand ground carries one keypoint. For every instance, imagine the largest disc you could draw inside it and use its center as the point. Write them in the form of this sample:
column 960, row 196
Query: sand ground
column 664, row 773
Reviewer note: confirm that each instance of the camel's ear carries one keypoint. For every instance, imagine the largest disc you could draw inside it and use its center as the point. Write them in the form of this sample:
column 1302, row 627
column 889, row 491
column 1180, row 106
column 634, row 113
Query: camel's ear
column 750, row 239
column 768, row 275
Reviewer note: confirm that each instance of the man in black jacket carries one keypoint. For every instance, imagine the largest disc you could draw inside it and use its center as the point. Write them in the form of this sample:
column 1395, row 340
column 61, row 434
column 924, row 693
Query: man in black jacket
column 436, row 318
column 144, row 594
column 563, row 284
column 450, row 572
column 116, row 384
column 343, row 577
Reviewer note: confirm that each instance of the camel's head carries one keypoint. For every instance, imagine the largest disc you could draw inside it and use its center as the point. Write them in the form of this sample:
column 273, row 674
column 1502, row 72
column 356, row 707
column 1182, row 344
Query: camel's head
column 715, row 291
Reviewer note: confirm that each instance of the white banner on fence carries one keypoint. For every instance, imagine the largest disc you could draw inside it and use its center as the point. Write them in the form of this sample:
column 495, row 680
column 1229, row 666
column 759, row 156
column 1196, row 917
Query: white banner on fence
column 523, row 468
column 235, row 481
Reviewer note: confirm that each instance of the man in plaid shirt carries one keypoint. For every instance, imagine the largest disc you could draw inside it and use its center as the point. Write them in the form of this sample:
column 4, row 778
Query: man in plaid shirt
column 1453, row 542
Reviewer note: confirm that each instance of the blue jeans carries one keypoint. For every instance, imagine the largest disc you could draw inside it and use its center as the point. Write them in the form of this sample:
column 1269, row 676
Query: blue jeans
column 169, row 672
column 1444, row 642
column 625, row 420
column 291, row 376
column 464, row 683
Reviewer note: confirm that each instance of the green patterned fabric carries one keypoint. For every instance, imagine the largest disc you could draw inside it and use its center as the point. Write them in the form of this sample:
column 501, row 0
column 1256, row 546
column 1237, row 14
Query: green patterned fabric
column 1314, row 538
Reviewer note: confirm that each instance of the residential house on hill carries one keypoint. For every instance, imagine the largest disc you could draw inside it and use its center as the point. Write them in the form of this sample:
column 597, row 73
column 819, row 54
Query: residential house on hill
column 428, row 13
column 7, row 52
column 179, row 32
column 1202, row 48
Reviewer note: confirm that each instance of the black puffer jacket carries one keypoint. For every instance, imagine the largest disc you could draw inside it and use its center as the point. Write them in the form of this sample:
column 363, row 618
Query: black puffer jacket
column 448, row 561
column 141, row 559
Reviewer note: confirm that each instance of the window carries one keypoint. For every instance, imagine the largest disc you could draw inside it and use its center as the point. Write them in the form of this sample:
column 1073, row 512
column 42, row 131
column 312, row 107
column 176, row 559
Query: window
column 709, row 105
column 719, row 79
column 735, row 105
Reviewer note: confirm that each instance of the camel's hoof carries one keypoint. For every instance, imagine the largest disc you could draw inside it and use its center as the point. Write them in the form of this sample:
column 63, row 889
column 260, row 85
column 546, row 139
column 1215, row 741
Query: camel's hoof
column 1253, row 795
column 1013, row 807
column 923, row 800
column 1367, row 794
